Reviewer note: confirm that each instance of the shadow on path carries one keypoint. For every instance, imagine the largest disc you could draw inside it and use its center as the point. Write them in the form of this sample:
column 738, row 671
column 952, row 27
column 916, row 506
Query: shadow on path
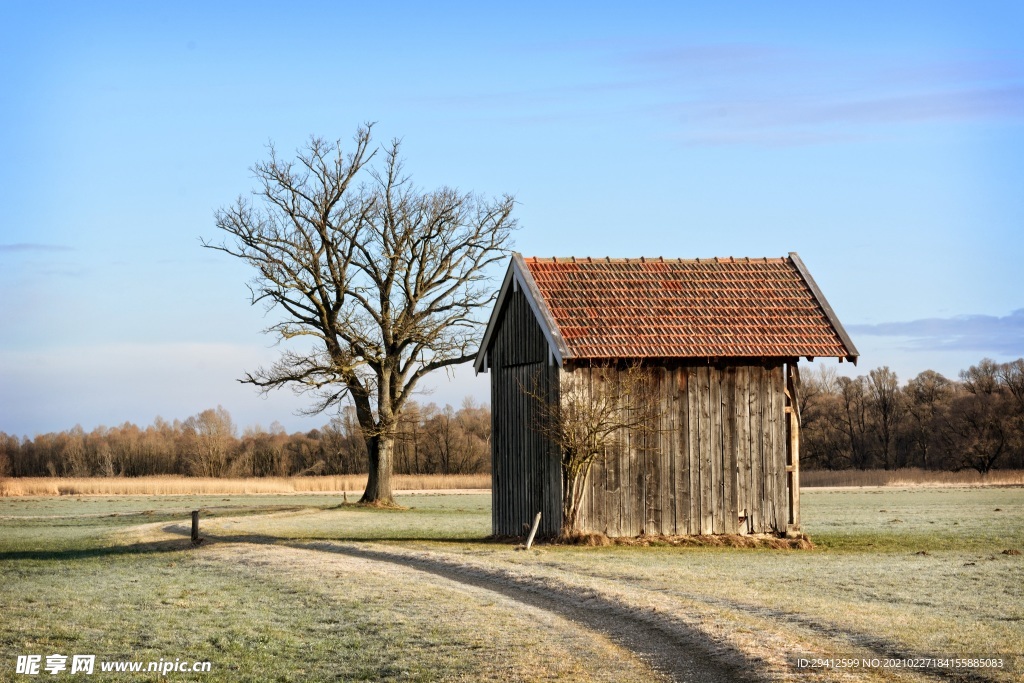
column 680, row 652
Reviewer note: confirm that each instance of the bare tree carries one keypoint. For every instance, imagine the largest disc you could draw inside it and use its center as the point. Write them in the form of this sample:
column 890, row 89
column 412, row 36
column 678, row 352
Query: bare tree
column 209, row 438
column 589, row 418
column 384, row 279
column 980, row 422
column 853, row 419
column 928, row 393
column 886, row 402
column 1011, row 376
column 981, row 379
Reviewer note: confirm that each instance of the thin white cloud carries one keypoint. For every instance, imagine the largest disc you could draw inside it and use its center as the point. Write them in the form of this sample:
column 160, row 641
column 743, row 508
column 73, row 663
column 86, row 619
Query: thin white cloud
column 728, row 94
column 739, row 94
column 981, row 333
column 29, row 246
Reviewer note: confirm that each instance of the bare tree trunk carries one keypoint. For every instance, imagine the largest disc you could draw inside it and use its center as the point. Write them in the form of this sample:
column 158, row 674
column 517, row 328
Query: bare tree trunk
column 380, row 452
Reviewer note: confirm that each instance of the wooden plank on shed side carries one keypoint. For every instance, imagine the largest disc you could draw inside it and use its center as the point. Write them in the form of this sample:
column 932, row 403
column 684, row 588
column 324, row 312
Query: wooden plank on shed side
column 729, row 470
column 706, row 447
column 781, row 497
column 682, row 455
column 717, row 475
column 742, row 443
column 672, row 444
column 769, row 450
column 663, row 441
column 496, row 478
column 693, row 448
column 794, row 447
column 756, row 447
column 618, row 469
column 652, row 459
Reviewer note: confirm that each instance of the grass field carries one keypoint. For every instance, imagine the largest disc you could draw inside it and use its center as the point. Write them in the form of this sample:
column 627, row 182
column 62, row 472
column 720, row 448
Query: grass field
column 298, row 587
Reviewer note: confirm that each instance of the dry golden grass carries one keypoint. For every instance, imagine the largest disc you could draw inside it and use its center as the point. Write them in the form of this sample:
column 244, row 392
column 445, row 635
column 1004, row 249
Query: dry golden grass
column 910, row 476
column 176, row 485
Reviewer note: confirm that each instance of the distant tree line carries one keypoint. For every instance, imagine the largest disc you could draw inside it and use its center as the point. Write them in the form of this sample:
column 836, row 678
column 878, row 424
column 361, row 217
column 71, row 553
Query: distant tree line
column 931, row 422
column 431, row 440
column 865, row 422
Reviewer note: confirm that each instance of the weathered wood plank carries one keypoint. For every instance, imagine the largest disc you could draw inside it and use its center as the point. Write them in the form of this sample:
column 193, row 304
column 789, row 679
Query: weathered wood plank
column 664, row 442
column 673, row 443
column 729, row 469
column 781, row 497
column 768, row 437
column 633, row 502
column 742, row 445
column 717, row 475
column 706, row 449
column 682, row 455
column 693, row 448
column 753, row 451
column 794, row 448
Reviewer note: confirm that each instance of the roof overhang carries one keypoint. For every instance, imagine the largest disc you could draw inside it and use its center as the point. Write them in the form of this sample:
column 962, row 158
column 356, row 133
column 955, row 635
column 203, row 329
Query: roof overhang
column 851, row 351
column 518, row 278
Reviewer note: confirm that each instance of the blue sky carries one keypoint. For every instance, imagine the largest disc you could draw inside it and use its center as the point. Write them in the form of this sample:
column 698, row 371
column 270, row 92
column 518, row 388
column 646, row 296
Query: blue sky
column 884, row 144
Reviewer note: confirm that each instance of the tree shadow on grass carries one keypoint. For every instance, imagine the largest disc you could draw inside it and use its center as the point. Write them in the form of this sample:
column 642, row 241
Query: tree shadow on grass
column 139, row 548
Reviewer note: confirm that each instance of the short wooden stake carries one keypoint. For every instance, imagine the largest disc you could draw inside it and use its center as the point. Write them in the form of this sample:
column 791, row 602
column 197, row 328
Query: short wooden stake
column 195, row 527
column 533, row 531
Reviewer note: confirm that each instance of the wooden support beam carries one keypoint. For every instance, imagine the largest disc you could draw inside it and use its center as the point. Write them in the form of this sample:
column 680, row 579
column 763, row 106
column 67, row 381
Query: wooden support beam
column 793, row 450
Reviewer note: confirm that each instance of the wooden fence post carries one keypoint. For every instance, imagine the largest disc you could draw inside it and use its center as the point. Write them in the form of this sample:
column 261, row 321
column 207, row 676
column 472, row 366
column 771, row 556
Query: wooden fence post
column 533, row 531
column 195, row 527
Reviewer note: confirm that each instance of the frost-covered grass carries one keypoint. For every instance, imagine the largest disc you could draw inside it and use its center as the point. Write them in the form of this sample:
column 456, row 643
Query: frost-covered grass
column 77, row 580
column 912, row 571
column 915, row 519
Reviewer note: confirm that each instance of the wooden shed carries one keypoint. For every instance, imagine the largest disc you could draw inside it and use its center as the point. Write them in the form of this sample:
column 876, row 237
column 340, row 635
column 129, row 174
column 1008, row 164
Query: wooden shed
column 721, row 339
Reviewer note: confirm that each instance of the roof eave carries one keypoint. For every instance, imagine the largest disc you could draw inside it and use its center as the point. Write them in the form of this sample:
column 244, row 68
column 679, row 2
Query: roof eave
column 518, row 275
column 851, row 351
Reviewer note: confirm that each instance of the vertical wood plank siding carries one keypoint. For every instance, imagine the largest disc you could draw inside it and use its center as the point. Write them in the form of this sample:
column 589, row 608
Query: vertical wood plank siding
column 526, row 470
column 716, row 462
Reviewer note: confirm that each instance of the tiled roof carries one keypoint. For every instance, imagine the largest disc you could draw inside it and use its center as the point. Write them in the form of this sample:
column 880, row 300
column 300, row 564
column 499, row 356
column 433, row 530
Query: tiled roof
column 644, row 308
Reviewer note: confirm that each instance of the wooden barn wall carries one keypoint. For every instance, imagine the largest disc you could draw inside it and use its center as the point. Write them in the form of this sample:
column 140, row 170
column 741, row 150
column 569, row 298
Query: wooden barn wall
column 715, row 462
column 526, row 475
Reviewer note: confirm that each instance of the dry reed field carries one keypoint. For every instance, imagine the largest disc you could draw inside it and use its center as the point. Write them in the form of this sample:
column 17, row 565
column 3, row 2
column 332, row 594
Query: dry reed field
column 354, row 483
column 909, row 476
column 176, row 485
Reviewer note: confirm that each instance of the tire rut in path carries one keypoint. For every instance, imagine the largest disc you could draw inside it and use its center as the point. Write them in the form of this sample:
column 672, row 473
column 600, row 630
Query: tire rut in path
column 681, row 653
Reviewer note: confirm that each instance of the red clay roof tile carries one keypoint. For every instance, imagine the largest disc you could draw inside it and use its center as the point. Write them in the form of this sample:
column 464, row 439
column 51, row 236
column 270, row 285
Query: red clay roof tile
column 616, row 308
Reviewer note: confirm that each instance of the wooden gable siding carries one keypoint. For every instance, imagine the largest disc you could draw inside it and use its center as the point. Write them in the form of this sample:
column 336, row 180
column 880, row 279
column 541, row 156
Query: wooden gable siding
column 715, row 464
column 526, row 474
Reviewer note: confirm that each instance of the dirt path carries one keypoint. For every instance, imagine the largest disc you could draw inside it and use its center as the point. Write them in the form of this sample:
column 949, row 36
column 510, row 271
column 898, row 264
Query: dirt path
column 668, row 646
column 684, row 634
